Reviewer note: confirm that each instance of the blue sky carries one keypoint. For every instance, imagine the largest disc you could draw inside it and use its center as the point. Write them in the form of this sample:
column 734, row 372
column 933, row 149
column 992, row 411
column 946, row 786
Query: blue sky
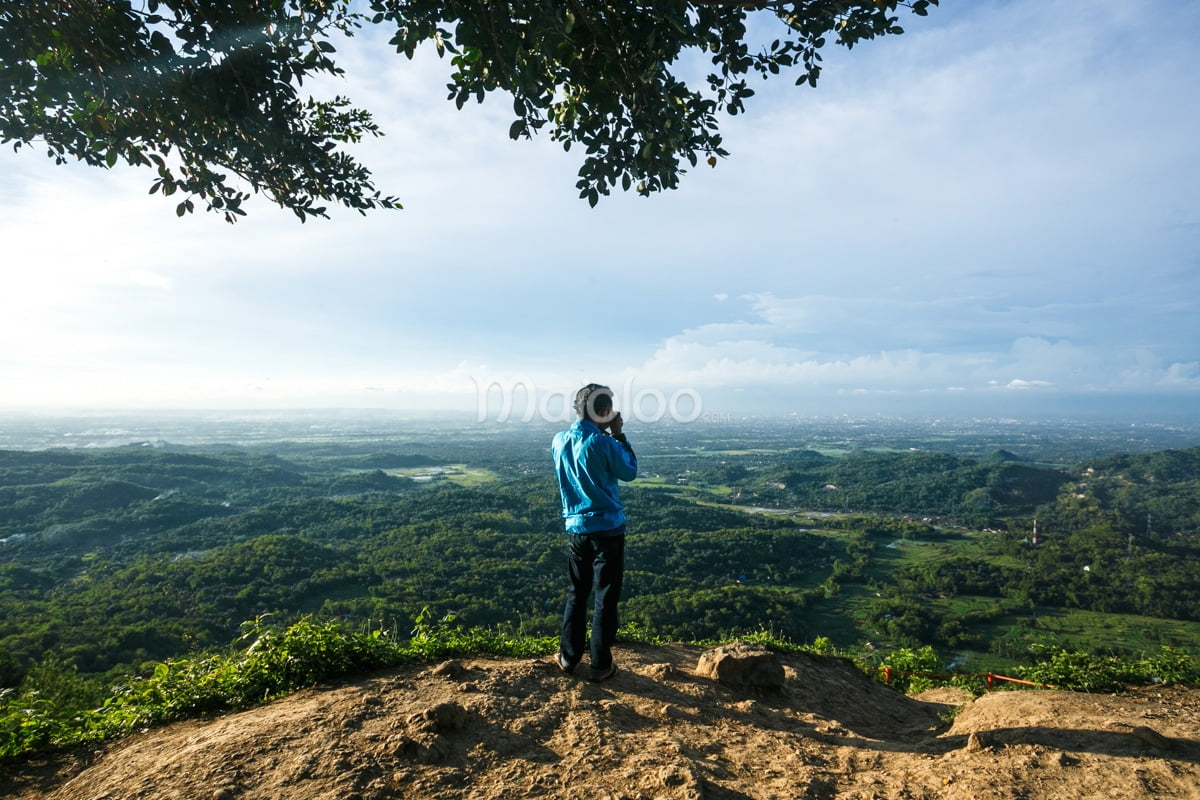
column 994, row 213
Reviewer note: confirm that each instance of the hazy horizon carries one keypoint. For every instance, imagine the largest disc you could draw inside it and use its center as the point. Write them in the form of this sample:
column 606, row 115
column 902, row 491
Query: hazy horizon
column 687, row 405
column 381, row 429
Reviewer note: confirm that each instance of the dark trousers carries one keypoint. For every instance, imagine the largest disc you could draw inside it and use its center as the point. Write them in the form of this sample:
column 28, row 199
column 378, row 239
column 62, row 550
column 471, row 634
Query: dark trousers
column 594, row 560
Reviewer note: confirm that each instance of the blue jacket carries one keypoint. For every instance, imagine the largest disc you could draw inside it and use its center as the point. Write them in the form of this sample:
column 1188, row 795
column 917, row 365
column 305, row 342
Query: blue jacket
column 588, row 465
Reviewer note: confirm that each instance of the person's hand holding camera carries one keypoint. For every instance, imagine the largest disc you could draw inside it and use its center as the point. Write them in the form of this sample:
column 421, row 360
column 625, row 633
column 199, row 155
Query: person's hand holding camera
column 615, row 424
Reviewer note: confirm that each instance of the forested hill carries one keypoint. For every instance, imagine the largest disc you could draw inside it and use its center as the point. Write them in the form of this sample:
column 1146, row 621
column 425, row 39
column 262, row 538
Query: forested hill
column 972, row 490
column 982, row 491
column 112, row 558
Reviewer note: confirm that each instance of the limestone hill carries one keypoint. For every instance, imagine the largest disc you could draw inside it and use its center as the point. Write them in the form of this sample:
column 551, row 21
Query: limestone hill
column 483, row 729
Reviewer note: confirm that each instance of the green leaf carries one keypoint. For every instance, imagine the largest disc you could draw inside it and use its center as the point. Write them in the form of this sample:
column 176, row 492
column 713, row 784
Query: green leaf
column 206, row 95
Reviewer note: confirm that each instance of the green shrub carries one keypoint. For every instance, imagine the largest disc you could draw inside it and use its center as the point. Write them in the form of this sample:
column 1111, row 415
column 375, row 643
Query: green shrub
column 913, row 671
column 1085, row 672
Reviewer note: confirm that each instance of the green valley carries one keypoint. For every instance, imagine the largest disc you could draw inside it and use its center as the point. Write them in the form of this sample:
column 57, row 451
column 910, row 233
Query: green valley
column 115, row 558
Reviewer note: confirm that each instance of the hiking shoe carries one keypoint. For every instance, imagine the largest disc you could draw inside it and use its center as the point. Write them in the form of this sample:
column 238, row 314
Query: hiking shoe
column 563, row 664
column 604, row 674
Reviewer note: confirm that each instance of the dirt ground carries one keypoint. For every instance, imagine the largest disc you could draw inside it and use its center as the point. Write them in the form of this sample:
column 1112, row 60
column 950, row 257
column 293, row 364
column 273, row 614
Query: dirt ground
column 481, row 729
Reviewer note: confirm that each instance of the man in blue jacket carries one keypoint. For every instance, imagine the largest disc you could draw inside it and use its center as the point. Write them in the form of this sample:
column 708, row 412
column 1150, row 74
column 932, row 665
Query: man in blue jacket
column 590, row 458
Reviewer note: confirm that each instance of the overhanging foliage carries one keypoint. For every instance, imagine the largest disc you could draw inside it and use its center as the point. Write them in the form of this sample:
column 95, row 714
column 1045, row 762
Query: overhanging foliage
column 201, row 89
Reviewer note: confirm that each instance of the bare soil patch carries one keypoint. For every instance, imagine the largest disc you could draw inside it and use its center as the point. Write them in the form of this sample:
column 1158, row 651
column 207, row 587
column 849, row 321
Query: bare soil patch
column 484, row 729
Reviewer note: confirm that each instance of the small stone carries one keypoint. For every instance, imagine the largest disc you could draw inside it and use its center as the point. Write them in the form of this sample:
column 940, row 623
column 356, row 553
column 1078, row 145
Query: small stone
column 449, row 669
column 661, row 671
column 449, row 716
column 672, row 711
column 1151, row 737
column 742, row 664
column 442, row 717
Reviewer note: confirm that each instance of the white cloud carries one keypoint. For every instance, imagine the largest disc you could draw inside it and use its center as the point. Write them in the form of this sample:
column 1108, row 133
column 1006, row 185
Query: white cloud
column 1182, row 376
column 1021, row 385
column 148, row 279
column 758, row 352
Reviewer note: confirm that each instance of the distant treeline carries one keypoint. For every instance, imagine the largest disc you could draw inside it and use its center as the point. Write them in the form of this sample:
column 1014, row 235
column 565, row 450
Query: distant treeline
column 982, row 492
